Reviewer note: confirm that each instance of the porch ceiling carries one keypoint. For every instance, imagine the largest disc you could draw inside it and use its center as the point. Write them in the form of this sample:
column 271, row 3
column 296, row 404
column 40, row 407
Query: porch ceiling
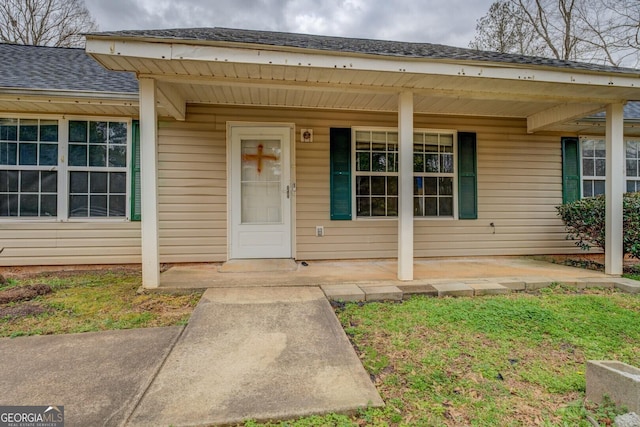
column 547, row 98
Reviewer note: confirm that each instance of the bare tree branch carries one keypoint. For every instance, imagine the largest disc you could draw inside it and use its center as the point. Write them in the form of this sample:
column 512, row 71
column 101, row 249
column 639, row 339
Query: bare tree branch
column 45, row 22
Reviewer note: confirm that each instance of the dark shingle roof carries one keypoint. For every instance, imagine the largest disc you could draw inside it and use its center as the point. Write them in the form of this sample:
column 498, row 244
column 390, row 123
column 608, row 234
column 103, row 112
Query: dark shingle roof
column 54, row 68
column 357, row 46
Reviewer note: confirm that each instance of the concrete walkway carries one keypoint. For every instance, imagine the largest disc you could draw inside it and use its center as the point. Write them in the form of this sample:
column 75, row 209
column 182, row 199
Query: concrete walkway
column 259, row 353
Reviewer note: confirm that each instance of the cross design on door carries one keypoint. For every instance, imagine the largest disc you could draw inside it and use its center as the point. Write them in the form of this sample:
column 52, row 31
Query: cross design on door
column 259, row 157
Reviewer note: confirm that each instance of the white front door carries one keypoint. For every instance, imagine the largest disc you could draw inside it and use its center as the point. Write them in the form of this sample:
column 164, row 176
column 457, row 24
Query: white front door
column 260, row 192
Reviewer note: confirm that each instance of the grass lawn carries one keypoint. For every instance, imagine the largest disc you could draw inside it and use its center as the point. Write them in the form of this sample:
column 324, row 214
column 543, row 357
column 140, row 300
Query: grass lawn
column 513, row 360
column 91, row 301
column 516, row 360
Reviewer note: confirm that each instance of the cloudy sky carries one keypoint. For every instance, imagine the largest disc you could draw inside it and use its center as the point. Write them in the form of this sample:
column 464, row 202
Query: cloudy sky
column 450, row 22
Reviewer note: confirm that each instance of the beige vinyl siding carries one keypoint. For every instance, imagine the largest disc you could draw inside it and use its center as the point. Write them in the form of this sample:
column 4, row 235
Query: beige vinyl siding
column 67, row 243
column 519, row 185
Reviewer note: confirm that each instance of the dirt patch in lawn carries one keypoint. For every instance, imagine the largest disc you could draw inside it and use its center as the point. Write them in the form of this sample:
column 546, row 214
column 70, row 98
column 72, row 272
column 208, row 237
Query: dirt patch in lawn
column 22, row 310
column 24, row 293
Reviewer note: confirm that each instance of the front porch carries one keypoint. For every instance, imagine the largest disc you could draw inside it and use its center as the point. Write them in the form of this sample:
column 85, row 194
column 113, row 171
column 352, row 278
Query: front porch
column 365, row 278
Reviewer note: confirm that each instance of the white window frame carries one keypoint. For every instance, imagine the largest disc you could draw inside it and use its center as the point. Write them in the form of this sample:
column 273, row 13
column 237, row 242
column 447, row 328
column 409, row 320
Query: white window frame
column 63, row 169
column 584, row 177
column 636, row 178
column 355, row 173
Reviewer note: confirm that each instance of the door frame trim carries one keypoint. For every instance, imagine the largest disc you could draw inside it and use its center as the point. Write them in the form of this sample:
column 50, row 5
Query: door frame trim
column 292, row 174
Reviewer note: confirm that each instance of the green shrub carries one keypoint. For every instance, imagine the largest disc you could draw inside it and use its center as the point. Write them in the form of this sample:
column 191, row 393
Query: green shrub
column 585, row 218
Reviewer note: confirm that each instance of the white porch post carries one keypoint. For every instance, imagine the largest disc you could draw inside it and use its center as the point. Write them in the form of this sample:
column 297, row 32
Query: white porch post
column 614, row 189
column 405, row 186
column 149, row 184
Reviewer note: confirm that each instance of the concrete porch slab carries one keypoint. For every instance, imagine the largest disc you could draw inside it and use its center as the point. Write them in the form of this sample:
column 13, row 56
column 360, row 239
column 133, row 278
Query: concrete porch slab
column 257, row 353
column 258, row 265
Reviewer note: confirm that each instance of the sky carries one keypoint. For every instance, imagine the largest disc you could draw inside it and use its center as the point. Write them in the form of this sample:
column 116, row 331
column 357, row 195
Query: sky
column 449, row 22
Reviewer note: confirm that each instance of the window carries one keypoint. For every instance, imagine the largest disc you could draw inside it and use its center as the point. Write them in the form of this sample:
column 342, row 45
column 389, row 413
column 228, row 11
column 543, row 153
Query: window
column 433, row 170
column 633, row 165
column 97, row 169
column 376, row 160
column 593, row 162
column 61, row 168
column 376, row 173
column 28, row 160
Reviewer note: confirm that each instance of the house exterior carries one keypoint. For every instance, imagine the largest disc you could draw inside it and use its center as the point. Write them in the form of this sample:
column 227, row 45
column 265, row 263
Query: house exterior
column 272, row 145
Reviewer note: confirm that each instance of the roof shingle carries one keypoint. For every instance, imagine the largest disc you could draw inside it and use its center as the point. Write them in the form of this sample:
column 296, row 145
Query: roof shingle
column 54, row 68
column 356, row 46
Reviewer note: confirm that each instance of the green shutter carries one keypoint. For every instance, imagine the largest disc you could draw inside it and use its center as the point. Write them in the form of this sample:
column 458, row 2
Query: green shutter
column 135, row 171
column 570, row 170
column 467, row 176
column 340, row 159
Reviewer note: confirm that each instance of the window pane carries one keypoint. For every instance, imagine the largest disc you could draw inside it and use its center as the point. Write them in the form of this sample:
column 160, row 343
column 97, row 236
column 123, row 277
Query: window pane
column 8, row 153
column 8, row 181
column 392, row 162
column 362, row 186
column 378, row 206
column 446, row 186
column 446, row 163
column 98, row 205
column 28, row 154
column 632, row 150
column 379, row 163
column 79, row 182
column 588, row 148
column 118, row 156
column 98, row 182
column 600, row 167
column 446, row 206
column 631, row 186
column 117, row 182
column 587, row 188
column 28, row 130
column 446, row 143
column 77, row 155
column 600, row 148
column 378, row 186
column 28, row 205
column 363, row 162
column 430, row 206
column 431, row 163
column 363, row 206
column 418, row 162
column 77, row 131
column 418, row 206
column 598, row 187
column 49, row 130
column 98, row 155
column 117, row 133
column 632, row 168
column 48, row 205
column 78, row 206
column 117, row 205
column 8, row 205
column 392, row 186
column 48, row 154
column 98, row 132
column 418, row 186
column 392, row 206
column 8, row 129
column 29, row 181
column 431, row 186
column 431, row 143
column 588, row 167
column 48, row 182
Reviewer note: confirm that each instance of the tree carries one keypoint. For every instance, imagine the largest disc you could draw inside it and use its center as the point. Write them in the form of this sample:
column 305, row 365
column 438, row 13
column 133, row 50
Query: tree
column 598, row 31
column 59, row 23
